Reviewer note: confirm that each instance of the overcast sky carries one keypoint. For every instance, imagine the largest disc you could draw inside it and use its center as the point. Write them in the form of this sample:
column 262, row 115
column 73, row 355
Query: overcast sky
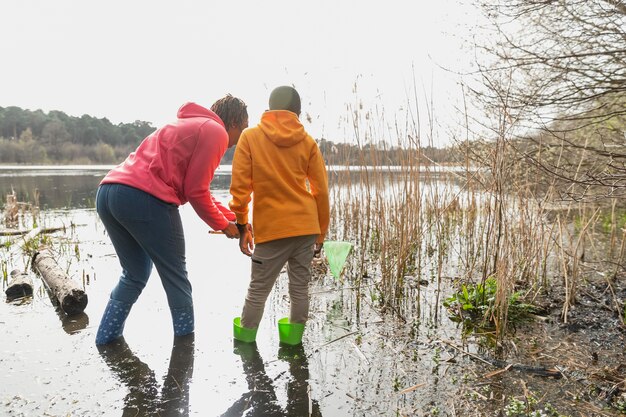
column 142, row 59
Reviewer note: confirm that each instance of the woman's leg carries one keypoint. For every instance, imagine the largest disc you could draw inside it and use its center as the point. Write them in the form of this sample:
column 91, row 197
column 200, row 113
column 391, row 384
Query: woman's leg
column 169, row 259
column 136, row 267
column 121, row 213
column 158, row 230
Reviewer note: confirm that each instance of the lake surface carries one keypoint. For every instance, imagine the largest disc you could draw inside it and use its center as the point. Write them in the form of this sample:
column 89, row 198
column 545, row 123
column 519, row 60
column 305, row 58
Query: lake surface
column 354, row 361
column 68, row 186
column 51, row 365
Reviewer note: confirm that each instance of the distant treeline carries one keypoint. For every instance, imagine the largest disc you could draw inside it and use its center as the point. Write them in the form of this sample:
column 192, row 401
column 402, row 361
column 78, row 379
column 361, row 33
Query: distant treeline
column 36, row 137
column 381, row 154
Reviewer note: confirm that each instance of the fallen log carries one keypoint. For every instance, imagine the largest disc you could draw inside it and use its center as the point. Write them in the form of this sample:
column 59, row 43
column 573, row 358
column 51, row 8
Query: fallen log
column 30, row 233
column 21, row 285
column 71, row 297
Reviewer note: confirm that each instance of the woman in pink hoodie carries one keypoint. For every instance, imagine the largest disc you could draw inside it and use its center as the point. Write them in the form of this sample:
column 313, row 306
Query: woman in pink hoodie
column 138, row 203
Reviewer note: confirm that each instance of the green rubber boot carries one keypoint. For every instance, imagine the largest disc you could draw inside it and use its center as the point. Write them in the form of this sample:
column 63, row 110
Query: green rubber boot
column 290, row 333
column 243, row 334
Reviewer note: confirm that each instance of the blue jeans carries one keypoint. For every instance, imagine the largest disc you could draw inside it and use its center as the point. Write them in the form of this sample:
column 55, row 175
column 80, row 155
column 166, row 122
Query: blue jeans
column 145, row 231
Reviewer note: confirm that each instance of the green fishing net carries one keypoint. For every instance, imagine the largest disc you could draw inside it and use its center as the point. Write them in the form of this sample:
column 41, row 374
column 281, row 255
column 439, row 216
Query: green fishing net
column 336, row 254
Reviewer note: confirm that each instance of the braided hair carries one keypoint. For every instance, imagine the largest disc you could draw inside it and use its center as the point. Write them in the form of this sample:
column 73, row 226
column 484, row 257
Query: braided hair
column 232, row 110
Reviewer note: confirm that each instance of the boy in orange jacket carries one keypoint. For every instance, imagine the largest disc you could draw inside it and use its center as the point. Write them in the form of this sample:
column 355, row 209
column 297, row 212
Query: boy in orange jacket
column 281, row 164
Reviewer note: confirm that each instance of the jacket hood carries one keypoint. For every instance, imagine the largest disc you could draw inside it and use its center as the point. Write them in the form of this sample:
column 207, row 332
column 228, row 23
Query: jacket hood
column 282, row 127
column 188, row 110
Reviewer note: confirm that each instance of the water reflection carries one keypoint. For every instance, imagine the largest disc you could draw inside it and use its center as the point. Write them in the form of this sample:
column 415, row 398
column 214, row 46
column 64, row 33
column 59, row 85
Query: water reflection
column 74, row 323
column 143, row 397
column 66, row 187
column 260, row 399
column 75, row 186
column 55, row 191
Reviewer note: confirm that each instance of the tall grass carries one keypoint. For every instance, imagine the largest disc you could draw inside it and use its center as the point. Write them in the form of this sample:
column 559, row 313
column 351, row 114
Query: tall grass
column 485, row 219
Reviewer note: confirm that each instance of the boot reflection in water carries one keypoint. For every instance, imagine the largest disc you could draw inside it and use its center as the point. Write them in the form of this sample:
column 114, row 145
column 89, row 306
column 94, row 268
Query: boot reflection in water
column 175, row 392
column 261, row 400
column 143, row 390
column 298, row 389
column 142, row 397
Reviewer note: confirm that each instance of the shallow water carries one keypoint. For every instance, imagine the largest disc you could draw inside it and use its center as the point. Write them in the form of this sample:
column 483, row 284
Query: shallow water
column 354, row 361
column 52, row 366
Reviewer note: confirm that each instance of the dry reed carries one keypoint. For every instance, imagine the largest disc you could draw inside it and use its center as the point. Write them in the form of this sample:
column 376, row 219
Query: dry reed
column 486, row 219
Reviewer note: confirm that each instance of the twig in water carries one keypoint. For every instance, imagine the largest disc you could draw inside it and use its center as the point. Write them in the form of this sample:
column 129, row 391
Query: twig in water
column 498, row 372
column 332, row 341
column 466, row 353
column 539, row 370
column 358, row 351
column 342, row 288
column 413, row 388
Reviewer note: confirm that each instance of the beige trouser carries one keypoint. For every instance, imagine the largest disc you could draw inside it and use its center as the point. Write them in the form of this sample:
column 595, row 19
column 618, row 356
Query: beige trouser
column 267, row 261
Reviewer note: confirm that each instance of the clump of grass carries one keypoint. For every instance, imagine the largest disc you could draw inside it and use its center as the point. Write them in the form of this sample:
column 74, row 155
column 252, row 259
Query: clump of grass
column 31, row 246
column 5, row 272
column 476, row 303
column 528, row 407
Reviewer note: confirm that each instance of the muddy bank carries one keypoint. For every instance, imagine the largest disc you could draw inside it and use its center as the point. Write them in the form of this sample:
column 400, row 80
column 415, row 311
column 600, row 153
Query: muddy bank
column 588, row 351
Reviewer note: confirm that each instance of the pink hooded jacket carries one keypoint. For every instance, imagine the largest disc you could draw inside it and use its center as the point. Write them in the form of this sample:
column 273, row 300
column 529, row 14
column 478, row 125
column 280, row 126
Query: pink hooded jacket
column 176, row 163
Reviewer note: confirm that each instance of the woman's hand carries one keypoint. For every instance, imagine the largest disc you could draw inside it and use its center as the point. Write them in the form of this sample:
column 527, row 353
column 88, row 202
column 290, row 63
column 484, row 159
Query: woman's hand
column 231, row 231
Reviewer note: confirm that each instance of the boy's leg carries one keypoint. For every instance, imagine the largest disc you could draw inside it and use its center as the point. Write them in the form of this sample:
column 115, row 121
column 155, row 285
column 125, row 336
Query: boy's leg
column 299, row 271
column 267, row 261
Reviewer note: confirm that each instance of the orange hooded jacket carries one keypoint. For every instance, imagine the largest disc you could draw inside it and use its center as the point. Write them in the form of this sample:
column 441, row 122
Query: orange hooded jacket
column 272, row 164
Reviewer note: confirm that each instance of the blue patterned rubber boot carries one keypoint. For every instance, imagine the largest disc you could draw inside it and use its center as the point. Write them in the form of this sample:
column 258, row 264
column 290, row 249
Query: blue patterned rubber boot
column 183, row 320
column 112, row 323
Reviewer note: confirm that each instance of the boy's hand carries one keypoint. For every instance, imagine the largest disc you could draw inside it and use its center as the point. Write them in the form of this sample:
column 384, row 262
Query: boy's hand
column 317, row 250
column 246, row 239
